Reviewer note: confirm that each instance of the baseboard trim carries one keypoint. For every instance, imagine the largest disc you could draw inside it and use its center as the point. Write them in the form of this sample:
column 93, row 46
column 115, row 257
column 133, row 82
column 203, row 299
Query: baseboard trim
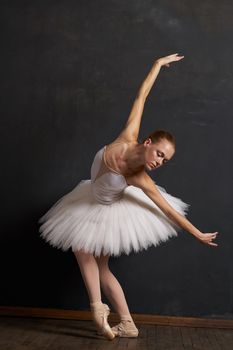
column 138, row 318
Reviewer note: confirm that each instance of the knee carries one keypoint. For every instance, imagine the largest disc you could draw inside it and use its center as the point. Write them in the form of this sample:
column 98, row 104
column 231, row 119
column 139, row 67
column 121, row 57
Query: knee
column 83, row 257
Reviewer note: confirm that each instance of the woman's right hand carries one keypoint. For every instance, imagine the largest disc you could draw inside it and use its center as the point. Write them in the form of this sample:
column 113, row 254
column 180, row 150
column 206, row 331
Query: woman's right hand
column 165, row 61
column 207, row 238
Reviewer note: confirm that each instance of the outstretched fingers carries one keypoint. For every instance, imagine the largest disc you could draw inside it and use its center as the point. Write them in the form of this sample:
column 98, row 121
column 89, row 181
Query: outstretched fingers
column 208, row 237
column 174, row 55
column 165, row 61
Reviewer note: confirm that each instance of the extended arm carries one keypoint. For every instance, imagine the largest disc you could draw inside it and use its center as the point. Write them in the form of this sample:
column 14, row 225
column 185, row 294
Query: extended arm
column 144, row 181
column 131, row 129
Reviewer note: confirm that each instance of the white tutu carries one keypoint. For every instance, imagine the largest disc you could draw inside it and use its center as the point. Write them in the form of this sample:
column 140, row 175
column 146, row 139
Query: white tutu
column 132, row 223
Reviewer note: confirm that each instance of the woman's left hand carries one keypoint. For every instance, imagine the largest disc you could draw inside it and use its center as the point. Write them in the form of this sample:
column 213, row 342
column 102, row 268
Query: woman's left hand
column 165, row 61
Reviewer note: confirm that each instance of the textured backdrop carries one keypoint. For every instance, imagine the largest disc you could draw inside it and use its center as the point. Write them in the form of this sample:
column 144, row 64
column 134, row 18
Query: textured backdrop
column 69, row 73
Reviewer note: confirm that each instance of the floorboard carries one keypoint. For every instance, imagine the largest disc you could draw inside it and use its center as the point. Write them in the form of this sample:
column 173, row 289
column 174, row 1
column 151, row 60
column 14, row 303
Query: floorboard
column 21, row 333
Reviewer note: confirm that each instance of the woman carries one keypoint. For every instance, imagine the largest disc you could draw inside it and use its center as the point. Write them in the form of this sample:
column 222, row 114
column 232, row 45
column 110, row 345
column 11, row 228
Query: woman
column 118, row 210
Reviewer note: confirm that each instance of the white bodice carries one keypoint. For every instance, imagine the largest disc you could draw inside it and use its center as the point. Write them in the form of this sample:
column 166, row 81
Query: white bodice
column 108, row 187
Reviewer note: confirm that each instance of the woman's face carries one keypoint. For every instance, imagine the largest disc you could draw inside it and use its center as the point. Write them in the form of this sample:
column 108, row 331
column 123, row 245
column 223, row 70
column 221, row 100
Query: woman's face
column 157, row 154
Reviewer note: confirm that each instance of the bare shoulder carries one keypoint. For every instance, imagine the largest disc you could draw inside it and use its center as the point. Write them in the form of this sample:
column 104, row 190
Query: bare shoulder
column 142, row 180
column 114, row 154
column 119, row 146
column 123, row 141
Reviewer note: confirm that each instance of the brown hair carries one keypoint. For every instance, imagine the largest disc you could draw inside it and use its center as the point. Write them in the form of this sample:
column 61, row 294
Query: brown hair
column 157, row 135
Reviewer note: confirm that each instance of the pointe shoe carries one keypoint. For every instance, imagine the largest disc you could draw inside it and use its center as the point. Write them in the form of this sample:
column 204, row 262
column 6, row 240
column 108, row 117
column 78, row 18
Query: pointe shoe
column 125, row 329
column 100, row 314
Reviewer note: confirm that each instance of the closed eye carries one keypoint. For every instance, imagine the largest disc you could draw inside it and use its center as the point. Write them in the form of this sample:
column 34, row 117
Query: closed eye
column 161, row 154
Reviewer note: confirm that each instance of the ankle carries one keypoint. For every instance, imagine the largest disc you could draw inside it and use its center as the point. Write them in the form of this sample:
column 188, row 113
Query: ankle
column 127, row 317
column 96, row 304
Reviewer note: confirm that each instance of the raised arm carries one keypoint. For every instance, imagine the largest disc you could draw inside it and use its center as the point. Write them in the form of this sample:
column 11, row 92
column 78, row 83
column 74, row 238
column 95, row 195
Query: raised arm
column 144, row 181
column 131, row 130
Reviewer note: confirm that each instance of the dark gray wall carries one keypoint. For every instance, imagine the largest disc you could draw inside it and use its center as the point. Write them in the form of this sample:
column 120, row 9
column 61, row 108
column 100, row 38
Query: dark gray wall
column 69, row 73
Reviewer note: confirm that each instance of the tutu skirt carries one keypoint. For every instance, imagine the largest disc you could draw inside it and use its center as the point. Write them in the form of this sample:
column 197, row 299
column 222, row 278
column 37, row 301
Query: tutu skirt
column 133, row 223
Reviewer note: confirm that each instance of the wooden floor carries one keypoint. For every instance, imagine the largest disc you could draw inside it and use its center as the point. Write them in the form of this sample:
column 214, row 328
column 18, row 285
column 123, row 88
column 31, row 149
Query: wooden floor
column 36, row 333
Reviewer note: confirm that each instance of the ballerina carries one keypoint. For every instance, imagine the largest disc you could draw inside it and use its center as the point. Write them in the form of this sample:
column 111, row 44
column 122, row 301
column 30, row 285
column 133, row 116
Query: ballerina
column 118, row 210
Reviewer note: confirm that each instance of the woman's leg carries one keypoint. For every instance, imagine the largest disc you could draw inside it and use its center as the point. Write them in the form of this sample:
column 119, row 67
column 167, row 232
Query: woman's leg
column 90, row 274
column 113, row 291
column 111, row 287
